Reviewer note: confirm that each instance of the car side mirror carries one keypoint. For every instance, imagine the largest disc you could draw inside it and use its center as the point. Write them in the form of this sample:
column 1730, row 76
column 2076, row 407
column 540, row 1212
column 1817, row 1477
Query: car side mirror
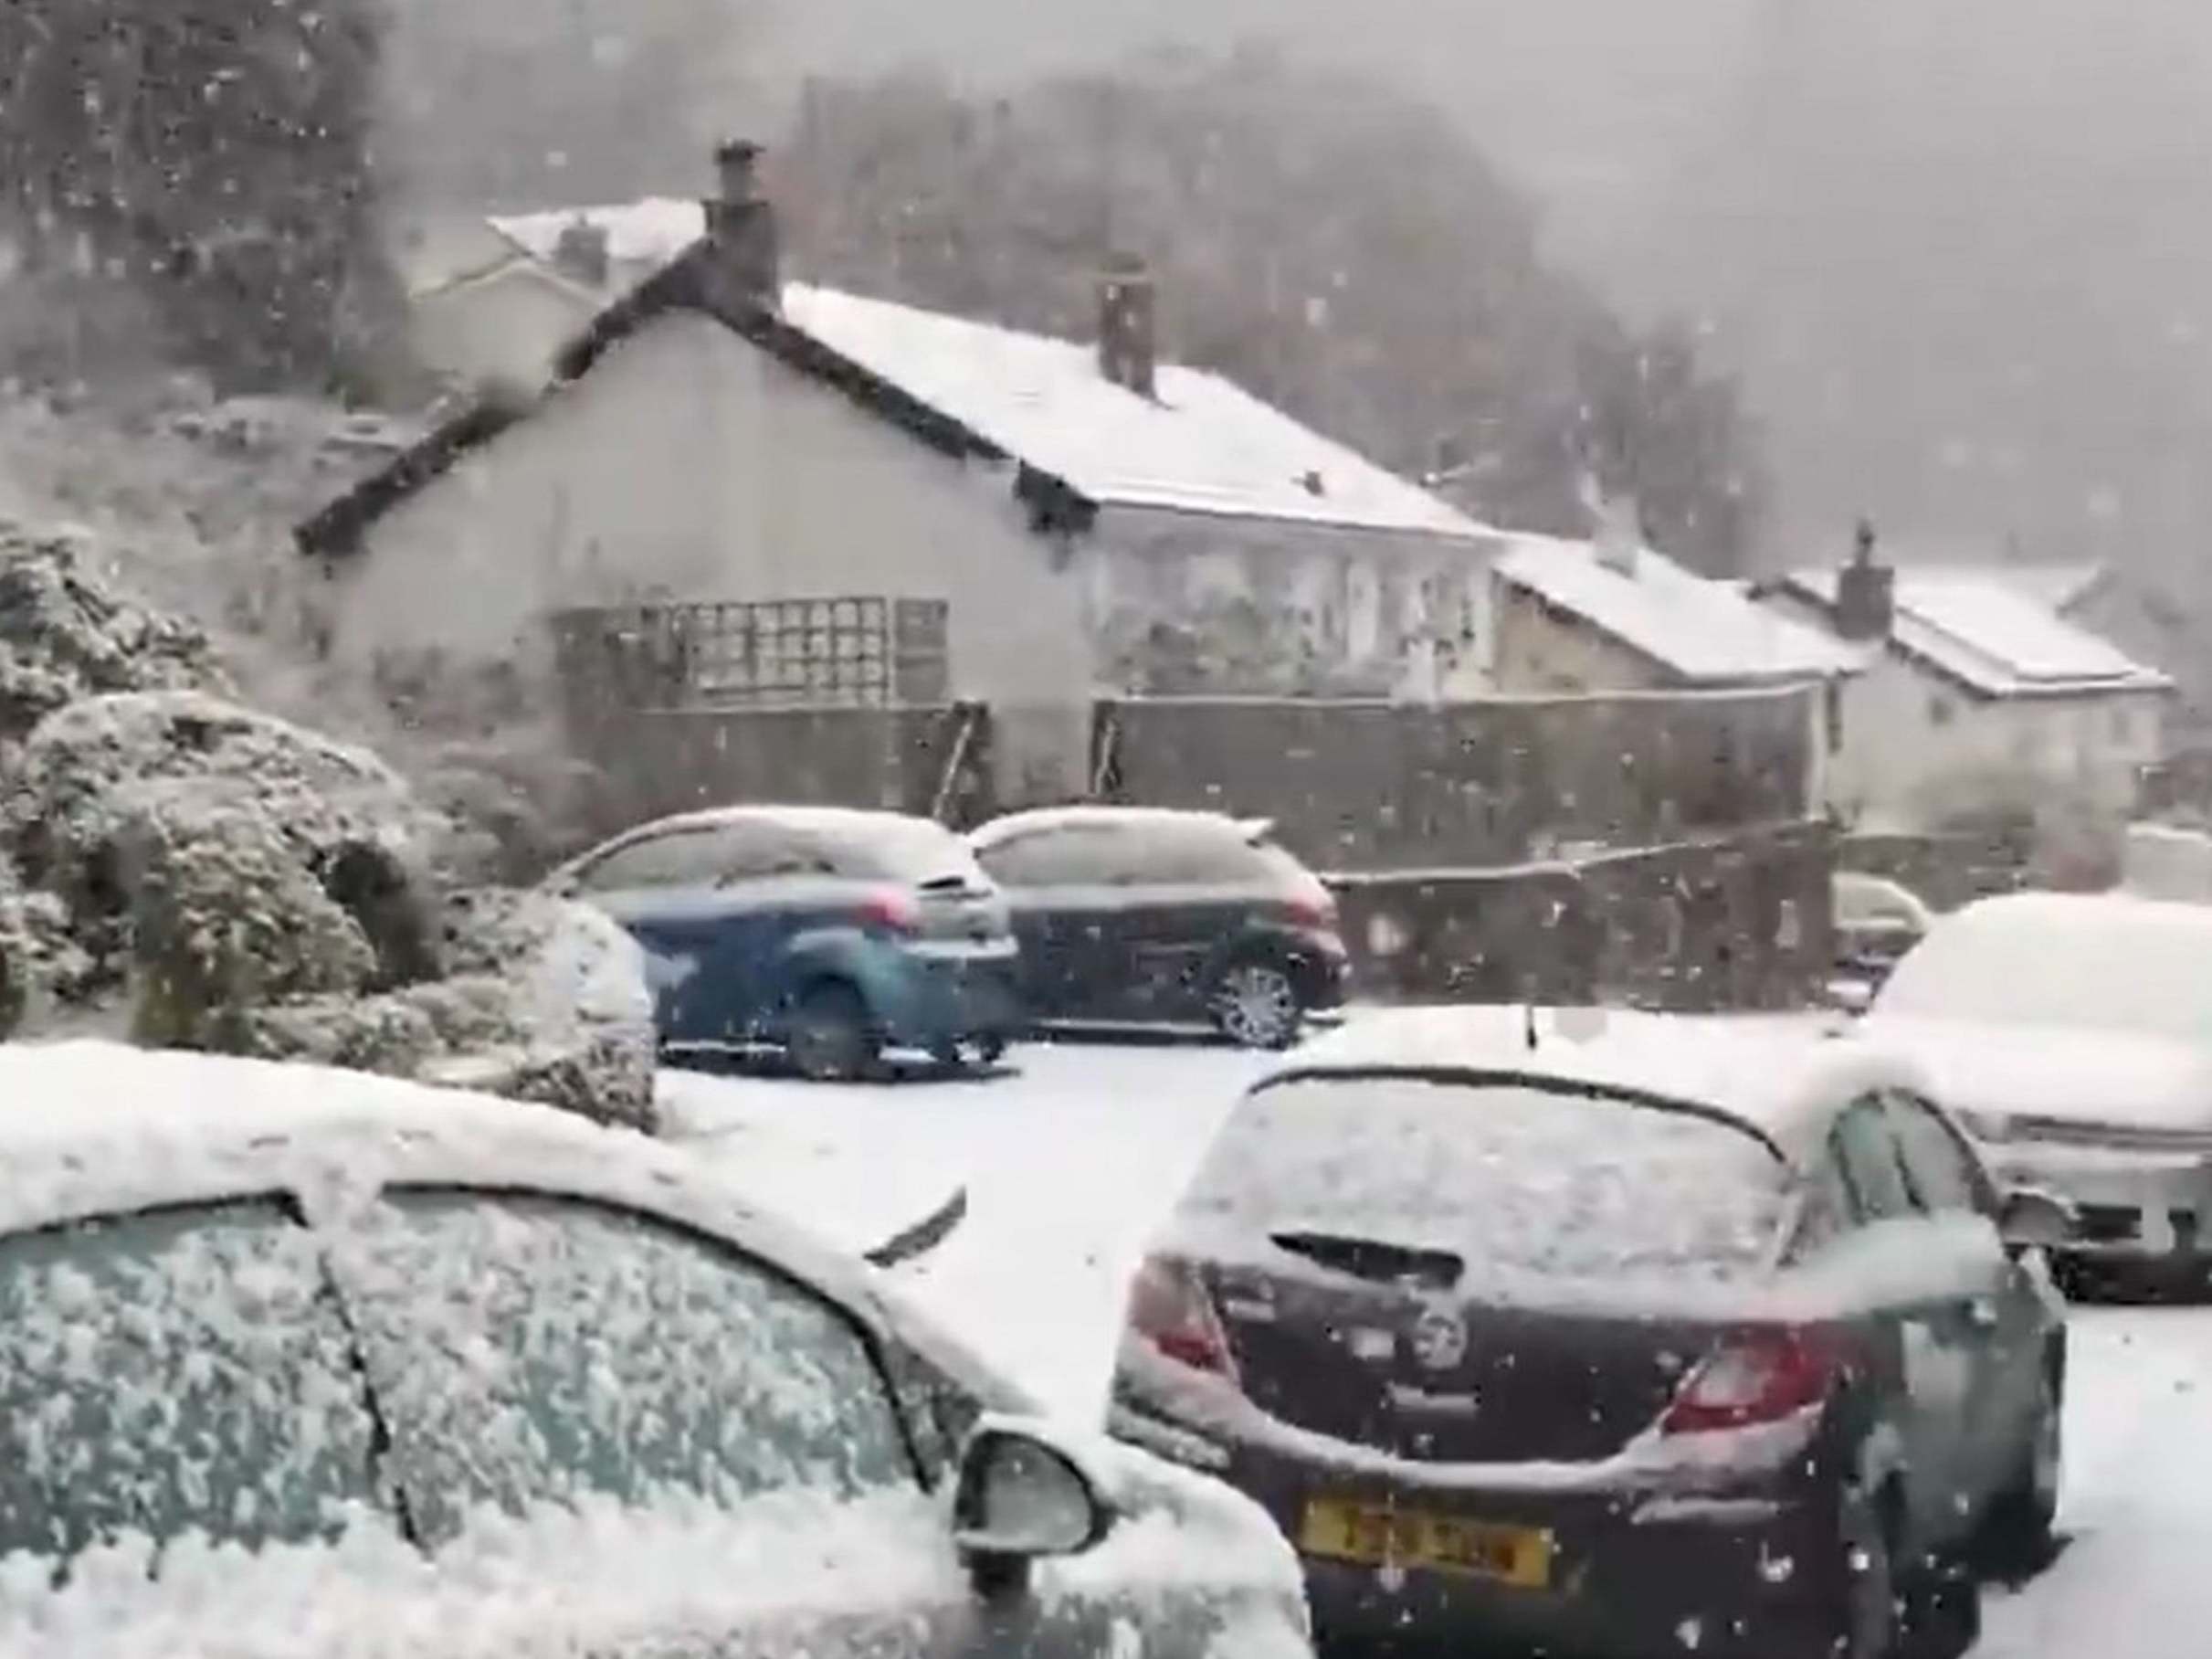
column 2032, row 1219
column 1019, row 1498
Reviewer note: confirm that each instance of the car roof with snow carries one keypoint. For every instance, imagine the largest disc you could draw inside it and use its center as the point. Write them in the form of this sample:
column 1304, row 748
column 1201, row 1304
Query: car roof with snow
column 858, row 821
column 2081, row 915
column 1073, row 816
column 94, row 1128
column 1779, row 1076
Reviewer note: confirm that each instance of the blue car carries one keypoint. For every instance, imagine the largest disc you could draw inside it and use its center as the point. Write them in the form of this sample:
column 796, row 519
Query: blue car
column 830, row 933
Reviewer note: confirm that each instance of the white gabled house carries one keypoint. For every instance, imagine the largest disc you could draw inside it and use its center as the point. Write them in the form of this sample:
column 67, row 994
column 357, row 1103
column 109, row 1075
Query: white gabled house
column 1573, row 617
column 1973, row 694
column 1092, row 518
column 492, row 299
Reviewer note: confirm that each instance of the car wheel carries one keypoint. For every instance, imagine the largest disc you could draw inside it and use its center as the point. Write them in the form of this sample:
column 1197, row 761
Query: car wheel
column 1255, row 1005
column 2015, row 1541
column 1939, row 1612
column 829, row 1038
column 990, row 1051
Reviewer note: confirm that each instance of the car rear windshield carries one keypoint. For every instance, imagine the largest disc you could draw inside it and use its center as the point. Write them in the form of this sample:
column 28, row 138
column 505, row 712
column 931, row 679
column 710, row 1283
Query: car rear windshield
column 900, row 850
column 1514, row 1179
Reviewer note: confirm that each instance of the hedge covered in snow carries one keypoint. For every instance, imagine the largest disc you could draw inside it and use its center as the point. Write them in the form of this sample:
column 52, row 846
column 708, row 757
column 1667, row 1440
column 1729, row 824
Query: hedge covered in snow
column 199, row 874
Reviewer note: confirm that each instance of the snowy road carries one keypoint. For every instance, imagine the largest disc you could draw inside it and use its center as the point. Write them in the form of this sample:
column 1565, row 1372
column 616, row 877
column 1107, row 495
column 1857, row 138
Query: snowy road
column 1070, row 1160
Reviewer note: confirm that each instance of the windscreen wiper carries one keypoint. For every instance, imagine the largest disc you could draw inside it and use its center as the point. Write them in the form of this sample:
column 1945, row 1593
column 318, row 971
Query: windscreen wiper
column 1375, row 1259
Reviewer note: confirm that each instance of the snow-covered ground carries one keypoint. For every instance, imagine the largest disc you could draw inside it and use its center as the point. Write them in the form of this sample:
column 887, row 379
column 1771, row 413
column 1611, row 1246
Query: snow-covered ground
column 1070, row 1157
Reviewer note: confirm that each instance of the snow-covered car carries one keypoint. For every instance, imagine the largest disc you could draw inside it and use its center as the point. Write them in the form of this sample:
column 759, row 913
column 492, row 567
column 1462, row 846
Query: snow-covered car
column 830, row 932
column 299, row 1362
column 1610, row 1334
column 2072, row 1034
column 1877, row 921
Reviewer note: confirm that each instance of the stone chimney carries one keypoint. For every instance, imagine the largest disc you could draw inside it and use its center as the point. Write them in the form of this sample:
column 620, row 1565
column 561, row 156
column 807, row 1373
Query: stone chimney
column 1129, row 349
column 1866, row 592
column 741, row 225
column 581, row 253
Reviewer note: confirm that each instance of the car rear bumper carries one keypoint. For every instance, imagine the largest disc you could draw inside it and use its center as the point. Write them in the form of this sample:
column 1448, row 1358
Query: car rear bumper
column 935, row 999
column 1630, row 1571
column 1324, row 969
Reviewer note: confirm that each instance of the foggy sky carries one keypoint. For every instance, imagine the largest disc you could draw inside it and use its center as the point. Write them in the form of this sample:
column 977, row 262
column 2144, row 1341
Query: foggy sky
column 1959, row 247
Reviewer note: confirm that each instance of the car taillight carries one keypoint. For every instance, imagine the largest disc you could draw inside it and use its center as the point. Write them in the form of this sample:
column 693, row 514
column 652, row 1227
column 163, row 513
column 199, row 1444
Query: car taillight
column 1315, row 909
column 893, row 909
column 1169, row 1310
column 1756, row 1377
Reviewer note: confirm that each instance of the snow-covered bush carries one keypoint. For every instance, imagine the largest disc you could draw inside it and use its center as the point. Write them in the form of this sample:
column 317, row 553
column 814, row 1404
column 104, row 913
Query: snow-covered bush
column 64, row 636
column 112, row 791
column 224, row 918
column 545, row 1001
column 212, row 876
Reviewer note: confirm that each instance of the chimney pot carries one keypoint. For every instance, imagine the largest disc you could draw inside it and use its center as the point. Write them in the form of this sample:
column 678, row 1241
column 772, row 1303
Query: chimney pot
column 742, row 229
column 581, row 252
column 1128, row 338
column 1866, row 592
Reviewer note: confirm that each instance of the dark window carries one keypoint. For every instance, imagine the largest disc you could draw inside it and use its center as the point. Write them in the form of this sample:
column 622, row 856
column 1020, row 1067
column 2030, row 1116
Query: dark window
column 1090, row 855
column 1867, row 1151
column 1205, row 854
column 679, row 858
column 895, row 849
column 530, row 1348
column 1945, row 1175
column 184, row 1369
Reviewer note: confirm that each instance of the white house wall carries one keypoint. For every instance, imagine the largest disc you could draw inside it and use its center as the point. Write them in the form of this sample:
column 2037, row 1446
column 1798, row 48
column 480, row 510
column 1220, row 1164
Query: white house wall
column 690, row 465
column 1541, row 651
column 1916, row 745
column 1380, row 599
column 505, row 330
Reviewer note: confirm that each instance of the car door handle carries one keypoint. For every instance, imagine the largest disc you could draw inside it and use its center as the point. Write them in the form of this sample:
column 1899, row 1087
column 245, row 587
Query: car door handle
column 1984, row 1314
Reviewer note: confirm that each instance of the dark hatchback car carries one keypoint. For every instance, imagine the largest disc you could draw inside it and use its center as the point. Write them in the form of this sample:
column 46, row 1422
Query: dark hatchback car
column 1146, row 916
column 832, row 933
column 1610, row 1336
column 296, row 1361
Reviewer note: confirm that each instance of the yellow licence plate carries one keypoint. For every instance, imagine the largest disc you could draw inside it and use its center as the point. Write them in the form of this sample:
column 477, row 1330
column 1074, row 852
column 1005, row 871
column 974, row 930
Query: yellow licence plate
column 1341, row 1530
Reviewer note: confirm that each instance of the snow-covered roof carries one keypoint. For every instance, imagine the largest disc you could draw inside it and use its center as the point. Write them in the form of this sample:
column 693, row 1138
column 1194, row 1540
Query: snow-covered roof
column 650, row 232
column 2053, row 586
column 1057, row 818
column 1200, row 445
column 1698, row 629
column 1778, row 1077
column 1979, row 628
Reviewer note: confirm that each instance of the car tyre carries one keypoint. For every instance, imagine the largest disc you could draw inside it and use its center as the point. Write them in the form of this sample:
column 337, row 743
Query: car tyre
column 1939, row 1612
column 2016, row 1539
column 830, row 1037
column 1255, row 1005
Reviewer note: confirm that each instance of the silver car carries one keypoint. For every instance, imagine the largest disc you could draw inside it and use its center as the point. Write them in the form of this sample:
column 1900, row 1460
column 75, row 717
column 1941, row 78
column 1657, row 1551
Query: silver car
column 296, row 1361
column 2073, row 1035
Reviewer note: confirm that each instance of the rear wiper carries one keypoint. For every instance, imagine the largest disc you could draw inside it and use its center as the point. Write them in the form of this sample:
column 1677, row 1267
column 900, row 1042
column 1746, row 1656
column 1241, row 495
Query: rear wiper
column 1373, row 1259
column 944, row 883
